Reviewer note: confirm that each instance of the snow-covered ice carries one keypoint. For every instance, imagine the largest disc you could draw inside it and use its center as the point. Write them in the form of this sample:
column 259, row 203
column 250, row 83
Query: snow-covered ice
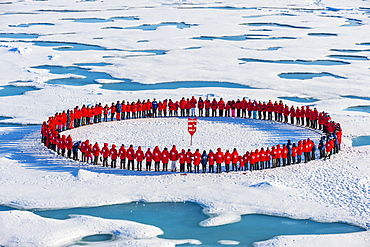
column 33, row 177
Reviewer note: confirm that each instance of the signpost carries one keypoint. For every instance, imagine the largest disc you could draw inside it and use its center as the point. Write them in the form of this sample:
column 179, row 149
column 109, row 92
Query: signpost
column 192, row 128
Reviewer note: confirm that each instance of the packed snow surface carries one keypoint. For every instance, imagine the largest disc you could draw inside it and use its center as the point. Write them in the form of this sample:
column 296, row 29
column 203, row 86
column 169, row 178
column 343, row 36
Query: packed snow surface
column 159, row 42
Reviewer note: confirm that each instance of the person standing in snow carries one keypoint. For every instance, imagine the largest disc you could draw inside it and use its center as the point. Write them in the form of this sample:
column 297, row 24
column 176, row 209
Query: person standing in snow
column 219, row 160
column 139, row 156
column 211, row 162
column 189, row 159
column 122, row 153
column 148, row 159
column 157, row 156
column 113, row 156
column 182, row 160
column 96, row 153
column 173, row 157
column 165, row 159
column 204, row 161
column 130, row 157
column 197, row 159
column 75, row 148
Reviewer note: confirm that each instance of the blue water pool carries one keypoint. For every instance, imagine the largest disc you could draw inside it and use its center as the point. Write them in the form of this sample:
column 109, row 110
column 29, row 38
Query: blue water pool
column 100, row 20
column 32, row 24
column 323, row 34
column 349, row 57
column 240, row 37
column 152, row 27
column 298, row 61
column 181, row 221
column 19, row 35
column 360, row 108
column 90, row 77
column 11, row 90
column 355, row 97
column 299, row 100
column 349, row 50
column 271, row 24
column 361, row 141
column 306, row 75
column 352, row 23
column 69, row 46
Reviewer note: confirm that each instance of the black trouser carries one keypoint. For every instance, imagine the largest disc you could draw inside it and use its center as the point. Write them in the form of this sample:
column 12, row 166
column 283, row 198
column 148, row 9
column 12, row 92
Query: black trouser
column 69, row 153
column 244, row 112
column 148, row 165
column 292, row 120
column 227, row 167
column 218, row 168
column 204, row 168
column 182, row 112
column 130, row 163
column 112, row 116
column 182, row 167
column 299, row 159
column 156, row 166
column 200, row 110
column 139, row 165
column 75, row 155
column 196, row 168
column 105, row 162
column 188, row 166
column 123, row 164
column 113, row 163
column 154, row 112
column 293, row 159
column 211, row 168
column 165, row 166
column 214, row 113
column 96, row 159
column 221, row 113
column 235, row 167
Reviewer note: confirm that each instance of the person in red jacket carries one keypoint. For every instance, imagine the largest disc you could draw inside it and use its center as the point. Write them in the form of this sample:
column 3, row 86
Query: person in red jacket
column 258, row 158
column 193, row 105
column 299, row 152
column 234, row 160
column 279, row 155
column 96, row 153
column 252, row 161
column 294, row 153
column 246, row 160
column 122, row 153
column 139, row 156
column 157, row 156
column 262, row 158
column 130, row 158
column 284, row 155
column 182, row 160
column 189, row 159
column 286, row 113
column 113, row 156
column 211, row 162
column 105, row 152
column 219, row 160
column 83, row 149
column 182, row 107
column 165, row 159
column 174, row 155
column 89, row 155
column 268, row 159
column 298, row 115
column 148, row 159
column 214, row 106
column 329, row 148
column 197, row 158
column 69, row 145
column 227, row 160
column 292, row 114
column 274, row 156
column 221, row 107
column 207, row 107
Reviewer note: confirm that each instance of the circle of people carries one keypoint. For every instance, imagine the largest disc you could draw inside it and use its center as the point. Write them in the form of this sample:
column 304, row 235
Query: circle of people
column 279, row 155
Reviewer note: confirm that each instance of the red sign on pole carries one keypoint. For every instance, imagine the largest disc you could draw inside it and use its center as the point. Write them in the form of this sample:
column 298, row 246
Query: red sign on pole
column 192, row 128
